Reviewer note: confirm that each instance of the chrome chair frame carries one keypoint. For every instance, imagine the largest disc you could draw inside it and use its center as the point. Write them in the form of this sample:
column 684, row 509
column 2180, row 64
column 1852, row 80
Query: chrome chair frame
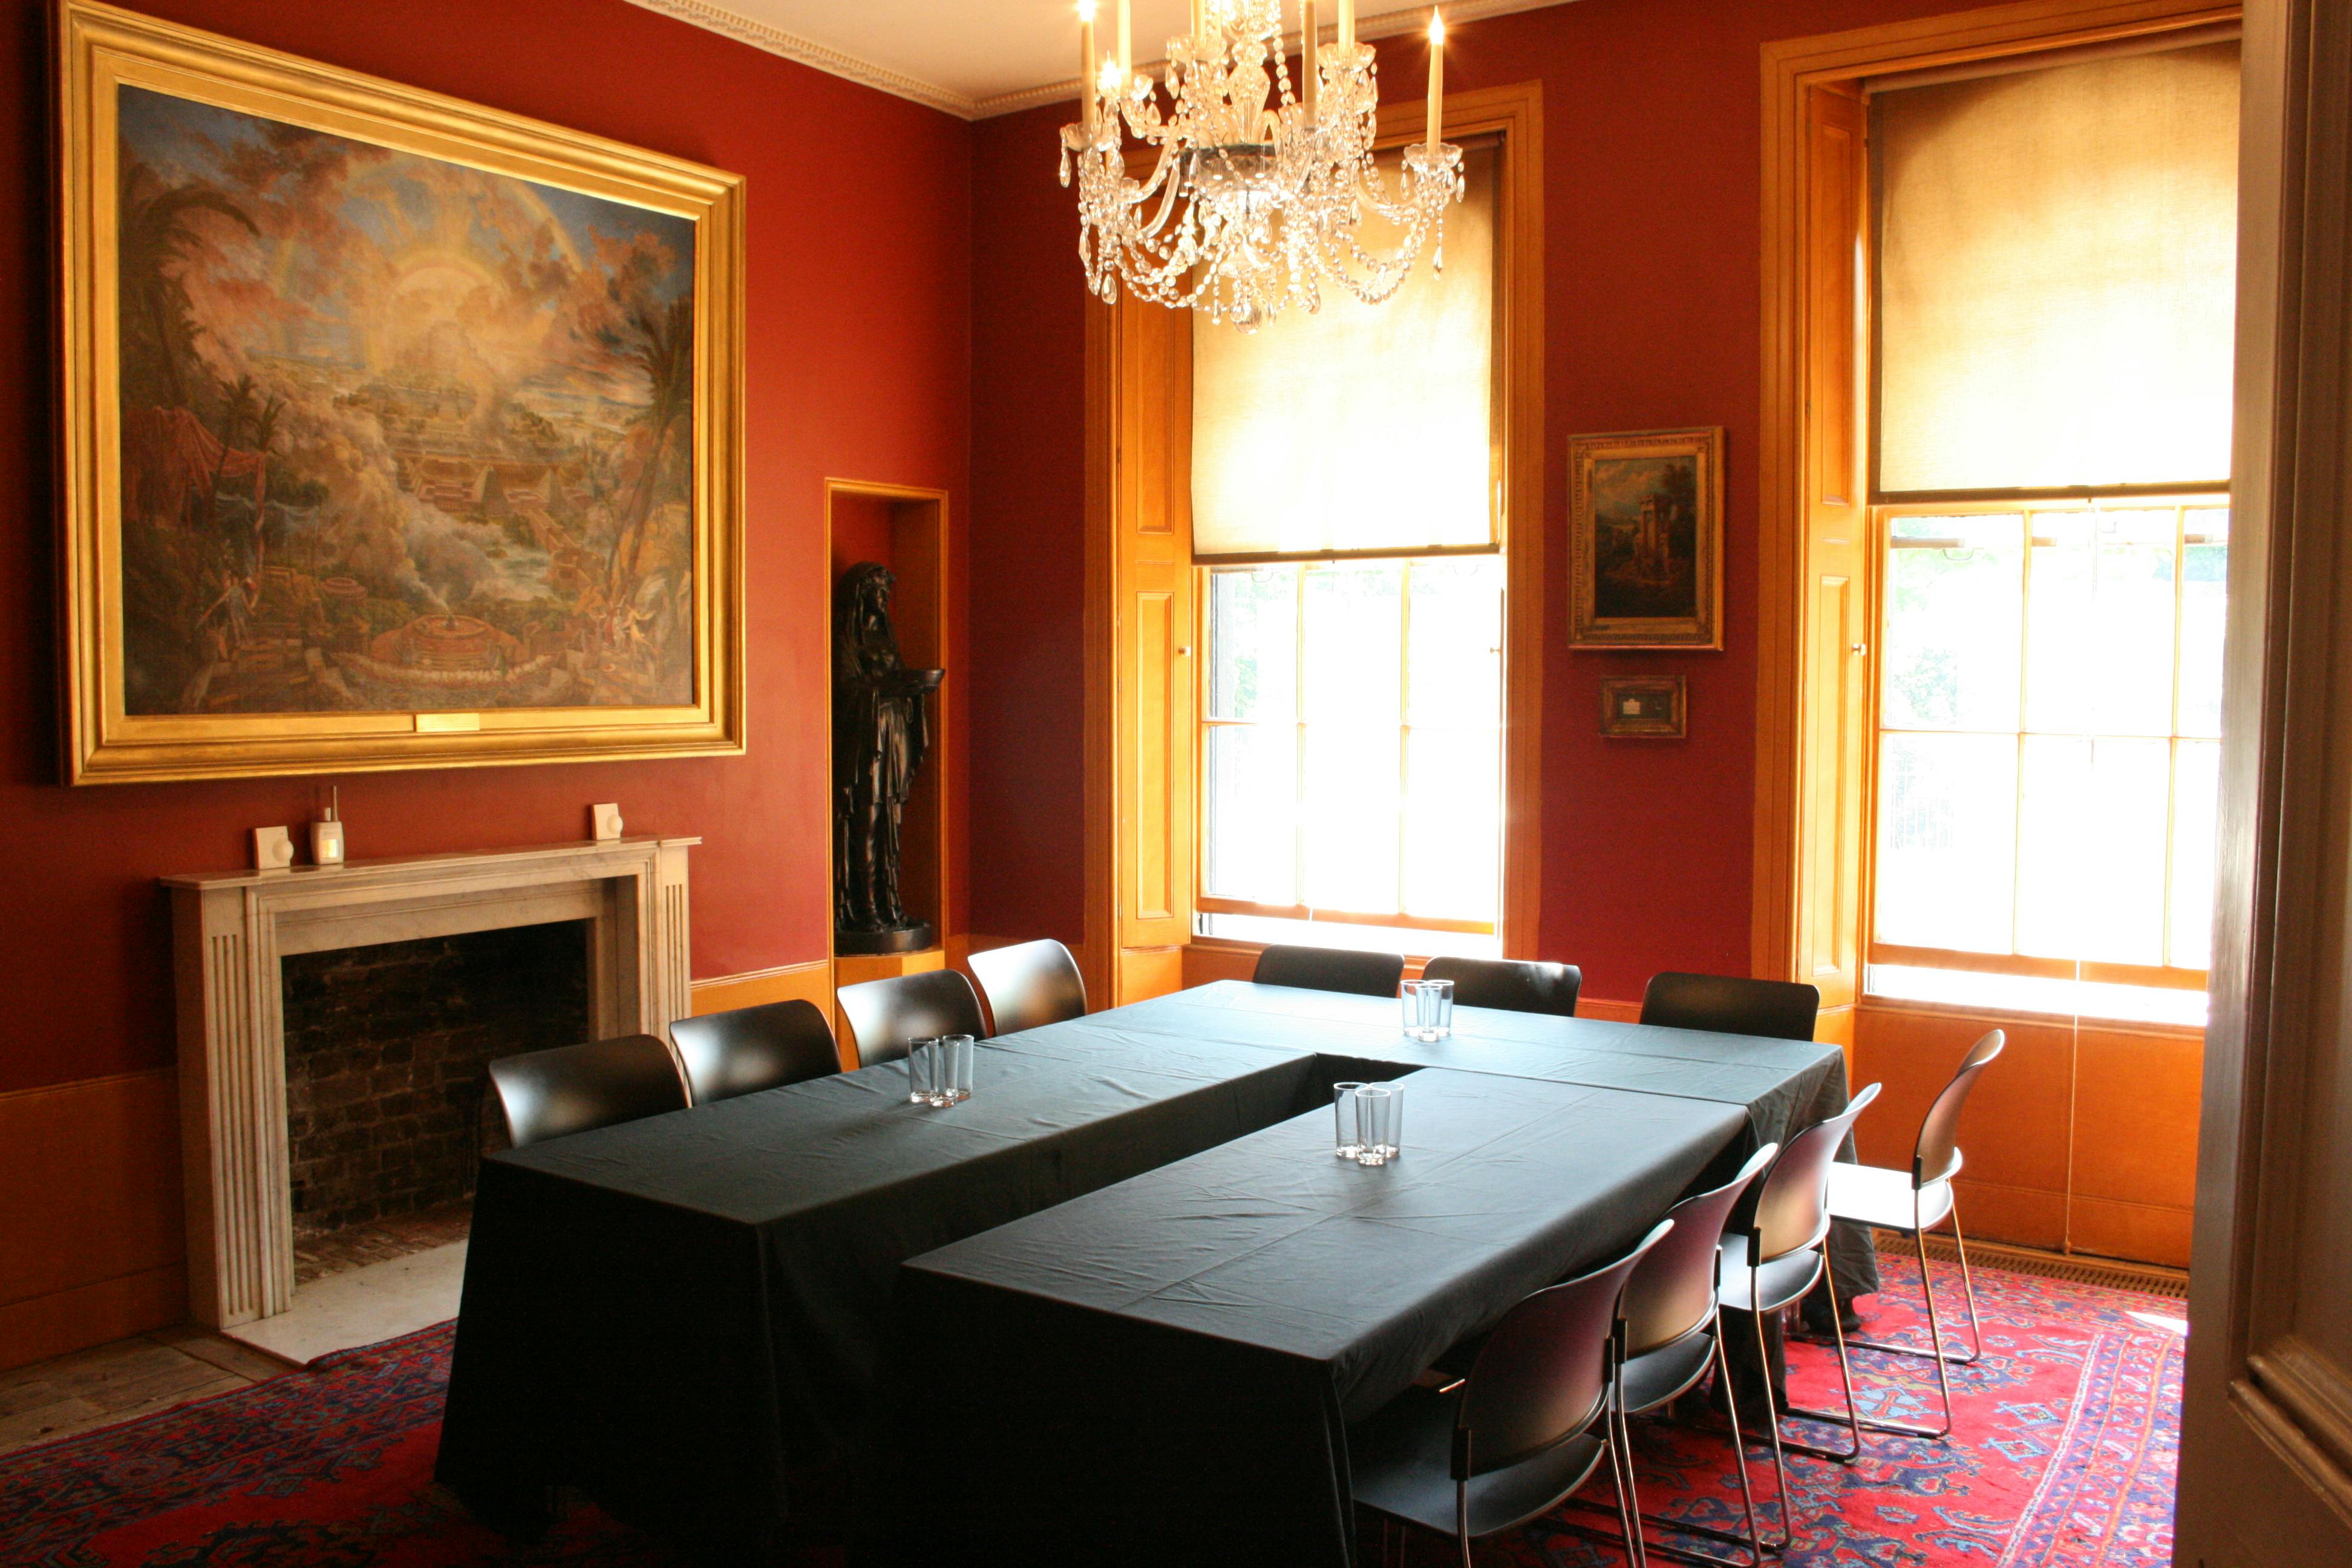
column 1936, row 1159
column 1805, row 1158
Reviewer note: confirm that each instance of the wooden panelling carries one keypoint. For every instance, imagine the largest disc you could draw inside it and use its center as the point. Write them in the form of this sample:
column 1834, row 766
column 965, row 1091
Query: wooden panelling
column 89, row 1189
column 2085, row 1142
column 811, row 982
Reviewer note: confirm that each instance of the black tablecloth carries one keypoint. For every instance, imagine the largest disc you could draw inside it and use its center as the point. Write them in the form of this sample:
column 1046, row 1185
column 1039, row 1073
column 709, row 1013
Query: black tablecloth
column 1163, row 1371
column 667, row 1313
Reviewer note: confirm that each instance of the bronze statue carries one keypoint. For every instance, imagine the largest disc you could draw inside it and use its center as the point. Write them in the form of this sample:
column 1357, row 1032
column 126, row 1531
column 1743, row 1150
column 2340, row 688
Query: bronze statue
column 880, row 734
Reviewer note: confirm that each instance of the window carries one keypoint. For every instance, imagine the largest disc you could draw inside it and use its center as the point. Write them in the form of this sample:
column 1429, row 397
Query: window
column 1351, row 752
column 2054, row 288
column 2050, row 721
column 1346, row 523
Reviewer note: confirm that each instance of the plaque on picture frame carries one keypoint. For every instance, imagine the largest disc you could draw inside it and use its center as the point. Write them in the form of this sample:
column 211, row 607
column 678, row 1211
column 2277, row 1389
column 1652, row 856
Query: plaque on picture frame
column 1651, row 707
column 1645, row 539
column 398, row 431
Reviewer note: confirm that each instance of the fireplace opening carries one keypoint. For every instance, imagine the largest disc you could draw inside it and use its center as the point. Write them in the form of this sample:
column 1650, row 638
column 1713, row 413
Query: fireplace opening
column 385, row 1050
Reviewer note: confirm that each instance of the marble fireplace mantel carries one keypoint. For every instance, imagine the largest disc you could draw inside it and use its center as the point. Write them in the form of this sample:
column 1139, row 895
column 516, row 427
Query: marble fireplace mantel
column 231, row 929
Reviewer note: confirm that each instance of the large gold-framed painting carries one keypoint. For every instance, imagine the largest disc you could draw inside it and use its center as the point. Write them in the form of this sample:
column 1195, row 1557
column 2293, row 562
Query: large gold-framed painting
column 399, row 432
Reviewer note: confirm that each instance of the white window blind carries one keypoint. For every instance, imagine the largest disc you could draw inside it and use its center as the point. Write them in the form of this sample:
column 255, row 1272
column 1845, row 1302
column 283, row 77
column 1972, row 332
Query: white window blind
column 1359, row 428
column 2056, row 275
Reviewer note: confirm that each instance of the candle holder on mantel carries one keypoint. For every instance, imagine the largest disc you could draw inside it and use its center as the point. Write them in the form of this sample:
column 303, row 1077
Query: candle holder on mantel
column 881, row 734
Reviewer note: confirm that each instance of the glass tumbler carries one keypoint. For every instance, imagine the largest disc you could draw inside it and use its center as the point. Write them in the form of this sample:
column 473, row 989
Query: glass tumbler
column 954, row 1069
column 1375, row 1124
column 1395, row 1145
column 1343, row 1109
column 1429, row 1009
column 923, row 1070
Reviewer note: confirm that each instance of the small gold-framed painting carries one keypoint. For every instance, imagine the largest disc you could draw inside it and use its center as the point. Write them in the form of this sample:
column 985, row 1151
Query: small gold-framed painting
column 1645, row 530
column 398, row 431
column 1645, row 707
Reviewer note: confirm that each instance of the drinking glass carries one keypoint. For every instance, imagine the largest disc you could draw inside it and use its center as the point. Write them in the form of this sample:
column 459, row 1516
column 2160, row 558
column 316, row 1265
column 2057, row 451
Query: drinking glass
column 1395, row 1145
column 1343, row 1109
column 954, row 1083
column 1375, row 1124
column 1429, row 1009
column 923, row 1070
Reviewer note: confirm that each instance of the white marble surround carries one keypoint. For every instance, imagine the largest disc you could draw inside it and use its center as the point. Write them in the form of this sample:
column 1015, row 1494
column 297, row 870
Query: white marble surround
column 229, row 932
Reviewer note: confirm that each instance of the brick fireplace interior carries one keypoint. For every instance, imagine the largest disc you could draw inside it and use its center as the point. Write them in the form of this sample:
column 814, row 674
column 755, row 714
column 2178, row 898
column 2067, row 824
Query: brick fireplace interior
column 385, row 1051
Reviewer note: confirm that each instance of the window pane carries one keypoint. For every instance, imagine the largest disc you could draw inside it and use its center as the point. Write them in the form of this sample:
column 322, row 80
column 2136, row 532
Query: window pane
column 1354, row 636
column 1351, row 818
column 1947, row 831
column 1453, row 838
column 1252, row 801
column 1456, row 670
column 2124, row 831
column 2196, row 794
column 2131, row 624
column 1253, row 643
column 2204, row 602
column 2051, row 864
column 1952, row 619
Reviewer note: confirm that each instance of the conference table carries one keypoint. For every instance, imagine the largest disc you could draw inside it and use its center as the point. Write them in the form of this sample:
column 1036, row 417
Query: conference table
column 1122, row 1304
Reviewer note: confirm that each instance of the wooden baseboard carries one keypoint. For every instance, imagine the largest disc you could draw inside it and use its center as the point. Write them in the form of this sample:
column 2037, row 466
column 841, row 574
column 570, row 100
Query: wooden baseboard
column 92, row 1314
column 1609, row 1012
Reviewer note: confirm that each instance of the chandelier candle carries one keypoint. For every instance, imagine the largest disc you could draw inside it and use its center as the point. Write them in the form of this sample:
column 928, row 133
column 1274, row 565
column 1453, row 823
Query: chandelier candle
column 1260, row 187
column 1087, row 61
column 1436, row 78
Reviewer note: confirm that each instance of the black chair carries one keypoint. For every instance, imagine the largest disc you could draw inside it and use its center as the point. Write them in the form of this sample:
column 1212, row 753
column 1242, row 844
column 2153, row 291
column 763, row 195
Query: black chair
column 752, row 1048
column 574, row 1089
column 1913, row 1203
column 1512, row 985
column 1509, row 1441
column 1331, row 969
column 1728, row 1005
column 1777, row 1259
column 1030, row 984
column 883, row 1015
column 1673, row 1331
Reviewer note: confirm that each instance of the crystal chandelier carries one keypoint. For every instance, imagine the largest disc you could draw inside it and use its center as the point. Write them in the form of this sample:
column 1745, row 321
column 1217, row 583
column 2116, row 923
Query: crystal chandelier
column 1258, row 189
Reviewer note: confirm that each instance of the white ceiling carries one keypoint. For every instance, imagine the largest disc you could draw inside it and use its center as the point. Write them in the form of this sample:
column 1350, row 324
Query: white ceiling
column 979, row 58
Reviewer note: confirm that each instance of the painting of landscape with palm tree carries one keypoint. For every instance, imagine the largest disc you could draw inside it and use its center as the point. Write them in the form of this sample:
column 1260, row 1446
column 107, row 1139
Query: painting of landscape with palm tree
column 397, row 434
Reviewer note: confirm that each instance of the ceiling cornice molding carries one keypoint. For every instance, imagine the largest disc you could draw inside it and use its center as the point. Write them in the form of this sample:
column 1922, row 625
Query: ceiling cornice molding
column 792, row 46
column 833, row 62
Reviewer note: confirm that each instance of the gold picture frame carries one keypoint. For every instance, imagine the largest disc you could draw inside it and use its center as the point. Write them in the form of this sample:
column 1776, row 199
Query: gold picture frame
column 1653, row 708
column 431, row 417
column 1645, row 539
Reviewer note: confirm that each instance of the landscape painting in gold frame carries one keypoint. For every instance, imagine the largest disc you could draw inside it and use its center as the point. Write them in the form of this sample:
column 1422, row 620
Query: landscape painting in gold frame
column 1645, row 539
column 397, row 431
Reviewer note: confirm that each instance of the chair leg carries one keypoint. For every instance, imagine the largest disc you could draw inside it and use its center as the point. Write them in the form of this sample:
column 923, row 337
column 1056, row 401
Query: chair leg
column 1739, row 1448
column 1621, row 1470
column 1926, row 1289
column 1944, row 1362
column 1772, row 1419
column 1852, row 1415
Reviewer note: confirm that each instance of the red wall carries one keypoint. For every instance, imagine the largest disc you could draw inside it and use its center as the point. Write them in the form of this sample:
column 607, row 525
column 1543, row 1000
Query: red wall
column 858, row 367
column 1652, row 164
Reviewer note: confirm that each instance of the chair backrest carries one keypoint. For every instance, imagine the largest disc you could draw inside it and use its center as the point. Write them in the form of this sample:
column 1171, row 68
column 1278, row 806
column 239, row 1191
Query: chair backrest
column 573, row 1089
column 1792, row 1207
column 1937, row 1157
column 752, row 1048
column 1511, row 984
column 1730, row 1004
column 1030, row 984
column 1331, row 969
column 1544, row 1369
column 883, row 1015
column 1674, row 1290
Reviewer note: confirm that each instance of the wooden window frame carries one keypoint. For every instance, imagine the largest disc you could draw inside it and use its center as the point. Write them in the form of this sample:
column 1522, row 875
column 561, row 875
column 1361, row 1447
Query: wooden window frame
column 2182, row 500
column 1206, row 902
column 1812, row 842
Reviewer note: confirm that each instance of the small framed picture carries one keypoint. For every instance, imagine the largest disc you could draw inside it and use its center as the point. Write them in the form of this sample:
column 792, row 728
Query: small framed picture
column 1645, row 530
column 1649, row 708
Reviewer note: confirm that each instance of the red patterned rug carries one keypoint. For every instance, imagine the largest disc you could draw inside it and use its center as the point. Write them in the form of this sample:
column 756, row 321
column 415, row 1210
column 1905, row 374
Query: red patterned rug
column 2064, row 1460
